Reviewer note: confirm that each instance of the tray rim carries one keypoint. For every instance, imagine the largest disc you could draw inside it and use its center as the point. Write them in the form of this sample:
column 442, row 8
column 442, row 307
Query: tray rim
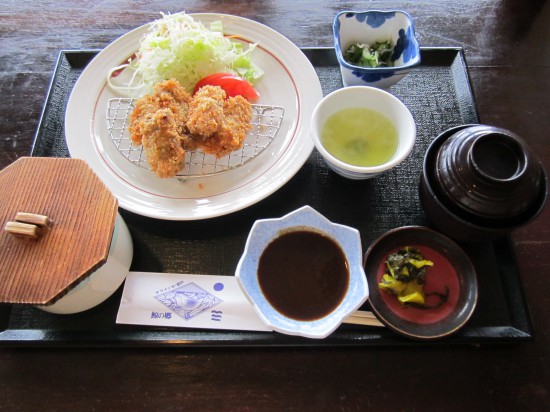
column 519, row 329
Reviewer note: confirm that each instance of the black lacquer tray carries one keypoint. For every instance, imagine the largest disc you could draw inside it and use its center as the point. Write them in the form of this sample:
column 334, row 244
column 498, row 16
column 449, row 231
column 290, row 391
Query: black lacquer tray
column 439, row 96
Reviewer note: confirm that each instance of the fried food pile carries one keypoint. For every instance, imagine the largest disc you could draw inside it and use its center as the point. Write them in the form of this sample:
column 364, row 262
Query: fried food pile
column 171, row 121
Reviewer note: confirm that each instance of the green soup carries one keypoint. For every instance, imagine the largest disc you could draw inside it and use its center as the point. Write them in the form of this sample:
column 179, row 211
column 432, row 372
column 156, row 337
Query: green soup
column 360, row 137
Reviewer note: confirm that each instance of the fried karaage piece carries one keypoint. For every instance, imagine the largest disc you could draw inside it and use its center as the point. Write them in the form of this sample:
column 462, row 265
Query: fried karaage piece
column 220, row 125
column 162, row 142
column 206, row 111
column 170, row 121
column 234, row 128
column 168, row 95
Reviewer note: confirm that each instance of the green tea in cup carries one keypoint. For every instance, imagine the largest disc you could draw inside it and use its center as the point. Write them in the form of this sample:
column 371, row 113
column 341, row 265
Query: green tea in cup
column 360, row 137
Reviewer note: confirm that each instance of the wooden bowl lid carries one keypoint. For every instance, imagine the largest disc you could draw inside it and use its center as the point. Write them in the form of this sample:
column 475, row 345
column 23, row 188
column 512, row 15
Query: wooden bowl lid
column 82, row 212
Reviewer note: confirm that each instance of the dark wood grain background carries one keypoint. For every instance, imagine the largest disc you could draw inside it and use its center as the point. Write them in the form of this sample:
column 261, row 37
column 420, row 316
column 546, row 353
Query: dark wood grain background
column 507, row 48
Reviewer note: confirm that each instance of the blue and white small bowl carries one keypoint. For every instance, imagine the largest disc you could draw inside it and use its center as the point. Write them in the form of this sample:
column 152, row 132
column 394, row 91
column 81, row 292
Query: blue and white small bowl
column 263, row 232
column 368, row 27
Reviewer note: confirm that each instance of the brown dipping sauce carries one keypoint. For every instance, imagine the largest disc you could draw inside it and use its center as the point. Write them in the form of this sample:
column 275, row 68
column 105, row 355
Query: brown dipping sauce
column 303, row 274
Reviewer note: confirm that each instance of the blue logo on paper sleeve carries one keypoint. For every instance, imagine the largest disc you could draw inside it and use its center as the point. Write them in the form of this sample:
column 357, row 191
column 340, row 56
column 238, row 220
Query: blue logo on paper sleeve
column 188, row 301
column 216, row 315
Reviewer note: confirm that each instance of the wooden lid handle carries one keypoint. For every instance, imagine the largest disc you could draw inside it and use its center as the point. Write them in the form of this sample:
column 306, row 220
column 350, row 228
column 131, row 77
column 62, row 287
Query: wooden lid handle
column 29, row 225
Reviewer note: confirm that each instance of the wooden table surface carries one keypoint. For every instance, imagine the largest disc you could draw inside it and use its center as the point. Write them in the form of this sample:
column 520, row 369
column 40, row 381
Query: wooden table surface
column 507, row 48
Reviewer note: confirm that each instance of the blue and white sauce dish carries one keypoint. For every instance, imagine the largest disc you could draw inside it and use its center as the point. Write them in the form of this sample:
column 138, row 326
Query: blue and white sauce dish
column 369, row 27
column 302, row 273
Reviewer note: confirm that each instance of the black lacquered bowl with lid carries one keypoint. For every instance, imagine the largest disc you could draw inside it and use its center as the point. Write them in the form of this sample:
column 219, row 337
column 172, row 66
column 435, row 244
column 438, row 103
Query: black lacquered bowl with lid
column 481, row 182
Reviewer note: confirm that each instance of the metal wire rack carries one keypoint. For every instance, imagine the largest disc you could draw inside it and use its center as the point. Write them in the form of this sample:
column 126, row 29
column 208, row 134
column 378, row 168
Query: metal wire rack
column 266, row 121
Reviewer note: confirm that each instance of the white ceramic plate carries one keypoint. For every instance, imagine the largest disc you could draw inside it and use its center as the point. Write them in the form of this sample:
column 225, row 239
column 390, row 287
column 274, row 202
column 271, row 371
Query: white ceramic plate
column 289, row 81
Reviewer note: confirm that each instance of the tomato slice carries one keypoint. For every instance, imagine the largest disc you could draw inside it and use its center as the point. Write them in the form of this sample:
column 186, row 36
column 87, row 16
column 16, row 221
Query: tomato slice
column 233, row 85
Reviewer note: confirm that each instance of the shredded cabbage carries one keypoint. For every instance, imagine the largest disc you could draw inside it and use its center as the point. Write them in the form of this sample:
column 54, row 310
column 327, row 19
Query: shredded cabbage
column 178, row 47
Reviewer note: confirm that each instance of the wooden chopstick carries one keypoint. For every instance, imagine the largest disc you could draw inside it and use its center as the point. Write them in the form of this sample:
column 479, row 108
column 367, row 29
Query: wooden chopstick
column 363, row 317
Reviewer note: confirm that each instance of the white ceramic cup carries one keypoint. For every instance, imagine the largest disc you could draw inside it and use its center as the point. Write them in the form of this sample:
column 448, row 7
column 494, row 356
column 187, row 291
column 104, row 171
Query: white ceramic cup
column 370, row 98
